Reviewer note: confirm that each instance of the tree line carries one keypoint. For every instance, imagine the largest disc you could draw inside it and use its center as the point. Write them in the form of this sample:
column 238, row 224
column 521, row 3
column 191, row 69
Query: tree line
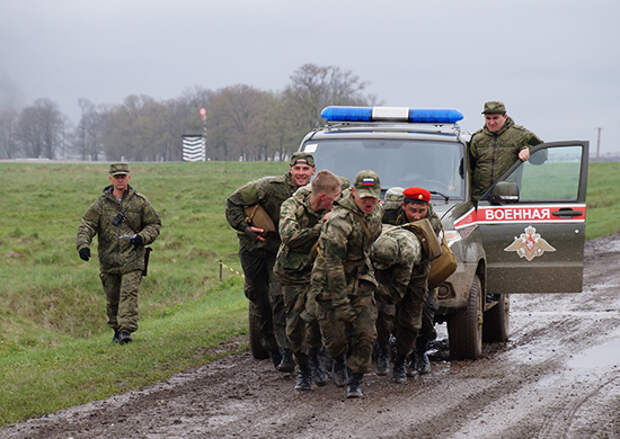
column 242, row 122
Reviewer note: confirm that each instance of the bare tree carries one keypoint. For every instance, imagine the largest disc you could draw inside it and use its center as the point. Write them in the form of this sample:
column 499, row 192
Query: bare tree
column 9, row 146
column 314, row 87
column 40, row 128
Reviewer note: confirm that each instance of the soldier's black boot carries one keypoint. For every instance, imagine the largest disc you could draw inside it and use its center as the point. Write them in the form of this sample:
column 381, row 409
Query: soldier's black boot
column 286, row 363
column 399, row 374
column 422, row 363
column 304, row 375
column 354, row 386
column 382, row 359
column 339, row 371
column 316, row 367
column 276, row 357
column 124, row 337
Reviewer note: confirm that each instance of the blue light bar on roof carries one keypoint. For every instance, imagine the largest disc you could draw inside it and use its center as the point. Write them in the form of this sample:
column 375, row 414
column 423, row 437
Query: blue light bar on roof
column 391, row 114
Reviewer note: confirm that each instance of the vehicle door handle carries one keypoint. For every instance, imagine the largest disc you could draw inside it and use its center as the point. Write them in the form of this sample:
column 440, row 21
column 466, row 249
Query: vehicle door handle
column 567, row 212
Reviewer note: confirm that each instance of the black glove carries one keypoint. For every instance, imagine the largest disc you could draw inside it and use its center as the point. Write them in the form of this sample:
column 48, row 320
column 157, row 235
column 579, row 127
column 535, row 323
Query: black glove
column 84, row 253
column 252, row 234
column 136, row 240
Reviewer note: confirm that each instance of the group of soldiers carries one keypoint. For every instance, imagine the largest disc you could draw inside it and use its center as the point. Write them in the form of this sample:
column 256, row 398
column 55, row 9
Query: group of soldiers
column 332, row 269
column 329, row 276
column 327, row 267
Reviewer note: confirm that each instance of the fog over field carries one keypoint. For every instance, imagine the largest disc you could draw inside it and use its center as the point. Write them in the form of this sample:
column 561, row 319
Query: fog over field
column 554, row 63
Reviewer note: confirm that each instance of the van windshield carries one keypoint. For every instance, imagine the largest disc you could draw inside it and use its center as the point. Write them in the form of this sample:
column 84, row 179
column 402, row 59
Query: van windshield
column 432, row 165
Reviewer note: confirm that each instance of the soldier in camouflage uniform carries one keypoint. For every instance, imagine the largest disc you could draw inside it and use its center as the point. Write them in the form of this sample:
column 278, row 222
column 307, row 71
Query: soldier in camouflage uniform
column 343, row 283
column 124, row 222
column 395, row 255
column 301, row 217
column 416, row 206
column 257, row 251
column 494, row 148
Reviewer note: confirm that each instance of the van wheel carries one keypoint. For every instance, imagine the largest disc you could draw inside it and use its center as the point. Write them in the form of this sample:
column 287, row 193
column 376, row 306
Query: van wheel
column 496, row 325
column 465, row 326
column 256, row 338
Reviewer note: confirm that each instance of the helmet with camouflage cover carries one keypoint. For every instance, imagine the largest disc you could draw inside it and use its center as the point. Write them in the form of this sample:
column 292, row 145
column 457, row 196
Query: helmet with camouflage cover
column 393, row 198
column 384, row 252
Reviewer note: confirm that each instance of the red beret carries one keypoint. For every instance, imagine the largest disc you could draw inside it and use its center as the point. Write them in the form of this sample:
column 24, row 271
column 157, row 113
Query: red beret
column 417, row 193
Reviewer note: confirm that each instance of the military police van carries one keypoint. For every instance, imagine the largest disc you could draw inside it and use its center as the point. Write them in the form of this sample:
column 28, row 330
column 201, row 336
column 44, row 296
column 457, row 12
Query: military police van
column 525, row 235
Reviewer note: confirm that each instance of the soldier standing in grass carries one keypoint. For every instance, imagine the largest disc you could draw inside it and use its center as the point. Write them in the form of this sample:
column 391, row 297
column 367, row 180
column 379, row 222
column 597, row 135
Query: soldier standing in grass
column 301, row 217
column 494, row 148
column 258, row 248
column 416, row 206
column 124, row 222
column 343, row 283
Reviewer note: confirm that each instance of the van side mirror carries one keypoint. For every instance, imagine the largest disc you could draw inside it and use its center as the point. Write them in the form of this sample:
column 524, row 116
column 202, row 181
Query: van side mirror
column 505, row 192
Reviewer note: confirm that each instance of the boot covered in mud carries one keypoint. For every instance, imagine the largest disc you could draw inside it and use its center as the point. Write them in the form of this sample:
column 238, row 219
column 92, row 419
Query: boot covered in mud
column 399, row 373
column 422, row 363
column 339, row 371
column 304, row 374
column 286, row 363
column 382, row 358
column 316, row 367
column 276, row 357
column 354, row 386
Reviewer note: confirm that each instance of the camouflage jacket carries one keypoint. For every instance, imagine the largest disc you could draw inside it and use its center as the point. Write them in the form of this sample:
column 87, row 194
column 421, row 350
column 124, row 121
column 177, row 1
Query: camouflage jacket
column 299, row 231
column 394, row 255
column 119, row 255
column 269, row 192
column 492, row 153
column 344, row 250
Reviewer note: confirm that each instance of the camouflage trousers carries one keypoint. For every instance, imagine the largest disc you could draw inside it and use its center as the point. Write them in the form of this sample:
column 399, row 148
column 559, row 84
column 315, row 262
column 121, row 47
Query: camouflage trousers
column 263, row 289
column 405, row 319
column 303, row 335
column 354, row 339
column 121, row 292
column 428, row 333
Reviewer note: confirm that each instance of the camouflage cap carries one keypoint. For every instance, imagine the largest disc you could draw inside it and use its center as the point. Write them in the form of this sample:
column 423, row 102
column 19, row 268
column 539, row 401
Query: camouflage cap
column 344, row 183
column 494, row 107
column 302, row 158
column 367, row 184
column 119, row 168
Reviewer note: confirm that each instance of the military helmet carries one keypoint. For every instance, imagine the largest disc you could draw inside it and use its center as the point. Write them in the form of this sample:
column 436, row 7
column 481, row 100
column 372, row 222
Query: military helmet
column 393, row 198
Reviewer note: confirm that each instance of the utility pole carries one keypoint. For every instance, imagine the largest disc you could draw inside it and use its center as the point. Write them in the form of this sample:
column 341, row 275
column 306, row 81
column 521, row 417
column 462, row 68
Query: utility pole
column 598, row 142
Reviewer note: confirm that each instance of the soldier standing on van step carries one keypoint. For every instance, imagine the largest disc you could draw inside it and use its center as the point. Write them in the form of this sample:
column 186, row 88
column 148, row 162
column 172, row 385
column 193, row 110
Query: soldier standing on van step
column 416, row 206
column 119, row 213
column 343, row 283
column 257, row 251
column 301, row 217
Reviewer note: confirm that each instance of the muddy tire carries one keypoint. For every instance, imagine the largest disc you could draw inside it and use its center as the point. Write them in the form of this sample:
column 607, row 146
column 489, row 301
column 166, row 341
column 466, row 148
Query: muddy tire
column 256, row 338
column 496, row 325
column 465, row 326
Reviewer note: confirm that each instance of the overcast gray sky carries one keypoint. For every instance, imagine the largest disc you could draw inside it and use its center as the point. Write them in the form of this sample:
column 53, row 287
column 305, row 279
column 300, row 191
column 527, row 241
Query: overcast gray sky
column 556, row 64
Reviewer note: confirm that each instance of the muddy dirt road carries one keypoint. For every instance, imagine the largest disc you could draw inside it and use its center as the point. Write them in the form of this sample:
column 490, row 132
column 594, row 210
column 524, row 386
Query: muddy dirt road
column 557, row 377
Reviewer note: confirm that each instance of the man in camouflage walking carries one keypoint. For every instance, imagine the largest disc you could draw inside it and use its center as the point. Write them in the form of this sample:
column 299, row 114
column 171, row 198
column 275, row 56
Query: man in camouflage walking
column 495, row 147
column 343, row 283
column 301, row 217
column 124, row 222
column 258, row 247
column 416, row 206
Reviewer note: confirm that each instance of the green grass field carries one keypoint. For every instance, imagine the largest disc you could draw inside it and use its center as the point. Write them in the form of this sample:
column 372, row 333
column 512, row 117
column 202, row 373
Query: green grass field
column 55, row 348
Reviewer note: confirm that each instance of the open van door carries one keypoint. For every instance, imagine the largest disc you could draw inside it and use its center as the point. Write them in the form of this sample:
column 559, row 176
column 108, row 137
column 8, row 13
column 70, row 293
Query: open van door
column 532, row 222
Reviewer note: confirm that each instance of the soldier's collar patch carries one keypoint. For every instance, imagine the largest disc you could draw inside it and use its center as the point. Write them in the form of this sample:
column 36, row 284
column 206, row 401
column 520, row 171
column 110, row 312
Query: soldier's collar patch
column 529, row 245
